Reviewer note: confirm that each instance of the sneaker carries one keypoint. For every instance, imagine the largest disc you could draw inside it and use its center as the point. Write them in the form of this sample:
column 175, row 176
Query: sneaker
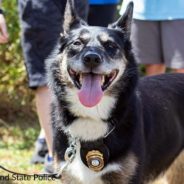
column 40, row 151
column 49, row 164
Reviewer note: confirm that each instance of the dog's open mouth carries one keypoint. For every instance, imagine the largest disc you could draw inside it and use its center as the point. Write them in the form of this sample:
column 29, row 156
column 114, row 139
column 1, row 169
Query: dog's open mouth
column 91, row 86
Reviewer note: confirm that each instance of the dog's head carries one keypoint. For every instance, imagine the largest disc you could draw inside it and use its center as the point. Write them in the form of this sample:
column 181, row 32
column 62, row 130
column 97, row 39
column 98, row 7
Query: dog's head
column 93, row 59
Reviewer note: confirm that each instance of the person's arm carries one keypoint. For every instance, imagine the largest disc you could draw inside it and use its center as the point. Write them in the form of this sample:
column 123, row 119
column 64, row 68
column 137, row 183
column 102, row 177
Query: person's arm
column 3, row 28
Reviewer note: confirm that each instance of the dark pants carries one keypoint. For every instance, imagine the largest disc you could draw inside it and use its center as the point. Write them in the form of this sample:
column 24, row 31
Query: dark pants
column 41, row 23
column 102, row 15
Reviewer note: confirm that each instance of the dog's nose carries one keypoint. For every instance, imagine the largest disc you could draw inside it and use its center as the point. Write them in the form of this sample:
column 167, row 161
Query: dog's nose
column 92, row 59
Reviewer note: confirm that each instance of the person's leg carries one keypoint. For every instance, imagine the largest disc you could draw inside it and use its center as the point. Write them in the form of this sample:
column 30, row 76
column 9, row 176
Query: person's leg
column 41, row 149
column 147, row 47
column 102, row 15
column 43, row 100
column 178, row 70
column 155, row 69
column 173, row 45
column 39, row 37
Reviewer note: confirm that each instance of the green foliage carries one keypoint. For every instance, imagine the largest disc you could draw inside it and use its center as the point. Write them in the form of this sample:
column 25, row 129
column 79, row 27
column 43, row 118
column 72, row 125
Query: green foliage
column 19, row 135
column 16, row 99
column 12, row 69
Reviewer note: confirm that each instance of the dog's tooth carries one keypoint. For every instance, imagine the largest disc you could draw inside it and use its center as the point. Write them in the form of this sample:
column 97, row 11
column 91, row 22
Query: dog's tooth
column 80, row 78
column 110, row 75
column 103, row 79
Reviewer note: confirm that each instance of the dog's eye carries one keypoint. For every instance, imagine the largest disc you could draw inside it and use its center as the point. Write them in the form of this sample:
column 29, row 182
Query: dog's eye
column 110, row 45
column 77, row 43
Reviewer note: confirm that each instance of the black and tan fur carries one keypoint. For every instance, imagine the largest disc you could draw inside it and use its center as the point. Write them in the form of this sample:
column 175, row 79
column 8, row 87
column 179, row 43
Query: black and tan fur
column 148, row 113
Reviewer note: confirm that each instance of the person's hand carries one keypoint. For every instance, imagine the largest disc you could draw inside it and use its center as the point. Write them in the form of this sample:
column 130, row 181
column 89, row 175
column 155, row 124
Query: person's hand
column 3, row 30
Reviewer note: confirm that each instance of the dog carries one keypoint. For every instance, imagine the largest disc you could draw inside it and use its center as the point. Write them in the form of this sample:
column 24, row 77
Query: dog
column 109, row 126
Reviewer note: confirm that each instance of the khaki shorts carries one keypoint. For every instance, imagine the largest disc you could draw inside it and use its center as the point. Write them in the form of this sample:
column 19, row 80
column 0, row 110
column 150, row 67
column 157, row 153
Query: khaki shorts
column 159, row 42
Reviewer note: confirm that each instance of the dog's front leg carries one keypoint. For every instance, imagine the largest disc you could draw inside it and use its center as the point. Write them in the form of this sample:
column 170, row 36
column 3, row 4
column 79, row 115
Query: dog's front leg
column 60, row 145
column 137, row 179
column 121, row 178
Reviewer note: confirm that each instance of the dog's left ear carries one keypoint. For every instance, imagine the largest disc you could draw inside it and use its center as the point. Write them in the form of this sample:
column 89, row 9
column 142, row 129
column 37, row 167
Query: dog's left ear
column 124, row 22
column 71, row 18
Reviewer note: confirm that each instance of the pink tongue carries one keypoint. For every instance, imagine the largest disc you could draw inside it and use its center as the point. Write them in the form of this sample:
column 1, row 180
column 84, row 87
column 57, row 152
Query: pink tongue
column 91, row 92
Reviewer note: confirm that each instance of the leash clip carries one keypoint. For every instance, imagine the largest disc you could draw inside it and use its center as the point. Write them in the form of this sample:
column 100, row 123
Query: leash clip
column 69, row 156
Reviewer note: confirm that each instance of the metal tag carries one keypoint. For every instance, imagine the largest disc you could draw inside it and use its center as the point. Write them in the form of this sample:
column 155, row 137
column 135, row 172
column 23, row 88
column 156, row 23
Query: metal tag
column 95, row 160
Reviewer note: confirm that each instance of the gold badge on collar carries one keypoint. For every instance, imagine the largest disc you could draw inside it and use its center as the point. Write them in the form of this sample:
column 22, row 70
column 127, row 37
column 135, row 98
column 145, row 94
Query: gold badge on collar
column 95, row 160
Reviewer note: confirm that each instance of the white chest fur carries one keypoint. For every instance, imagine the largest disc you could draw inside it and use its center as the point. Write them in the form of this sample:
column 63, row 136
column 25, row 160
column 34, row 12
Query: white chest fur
column 87, row 129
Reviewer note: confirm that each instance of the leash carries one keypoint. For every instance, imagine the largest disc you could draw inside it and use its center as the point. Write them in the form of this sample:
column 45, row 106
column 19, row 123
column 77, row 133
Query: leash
column 69, row 157
column 70, row 154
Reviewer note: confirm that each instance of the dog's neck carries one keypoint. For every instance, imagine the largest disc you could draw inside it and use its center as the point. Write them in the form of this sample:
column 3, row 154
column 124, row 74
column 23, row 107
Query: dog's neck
column 90, row 124
column 98, row 145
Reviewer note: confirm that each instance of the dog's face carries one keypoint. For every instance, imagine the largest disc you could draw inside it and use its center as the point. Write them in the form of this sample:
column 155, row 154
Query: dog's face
column 93, row 58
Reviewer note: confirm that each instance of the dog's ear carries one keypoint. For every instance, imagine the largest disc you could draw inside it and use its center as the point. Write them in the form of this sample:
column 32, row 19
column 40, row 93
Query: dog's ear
column 124, row 22
column 71, row 18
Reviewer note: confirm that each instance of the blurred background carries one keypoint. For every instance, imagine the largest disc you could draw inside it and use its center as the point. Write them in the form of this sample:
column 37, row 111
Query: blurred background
column 19, row 125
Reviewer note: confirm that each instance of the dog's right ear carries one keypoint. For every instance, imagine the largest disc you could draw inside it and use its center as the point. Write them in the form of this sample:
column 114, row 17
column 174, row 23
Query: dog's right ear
column 71, row 18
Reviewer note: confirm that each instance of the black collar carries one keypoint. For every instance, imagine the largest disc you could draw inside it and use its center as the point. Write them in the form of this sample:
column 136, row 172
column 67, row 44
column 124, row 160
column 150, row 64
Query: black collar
column 92, row 152
column 99, row 146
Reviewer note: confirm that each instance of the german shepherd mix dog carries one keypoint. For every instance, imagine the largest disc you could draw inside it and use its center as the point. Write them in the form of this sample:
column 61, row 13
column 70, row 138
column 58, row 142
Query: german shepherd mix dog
column 110, row 126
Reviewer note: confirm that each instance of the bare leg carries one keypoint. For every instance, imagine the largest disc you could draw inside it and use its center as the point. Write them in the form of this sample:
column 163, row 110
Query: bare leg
column 179, row 70
column 155, row 69
column 43, row 100
column 42, row 134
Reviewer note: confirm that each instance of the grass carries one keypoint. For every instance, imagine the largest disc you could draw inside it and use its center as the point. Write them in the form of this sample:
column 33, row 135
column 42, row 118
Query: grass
column 16, row 148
